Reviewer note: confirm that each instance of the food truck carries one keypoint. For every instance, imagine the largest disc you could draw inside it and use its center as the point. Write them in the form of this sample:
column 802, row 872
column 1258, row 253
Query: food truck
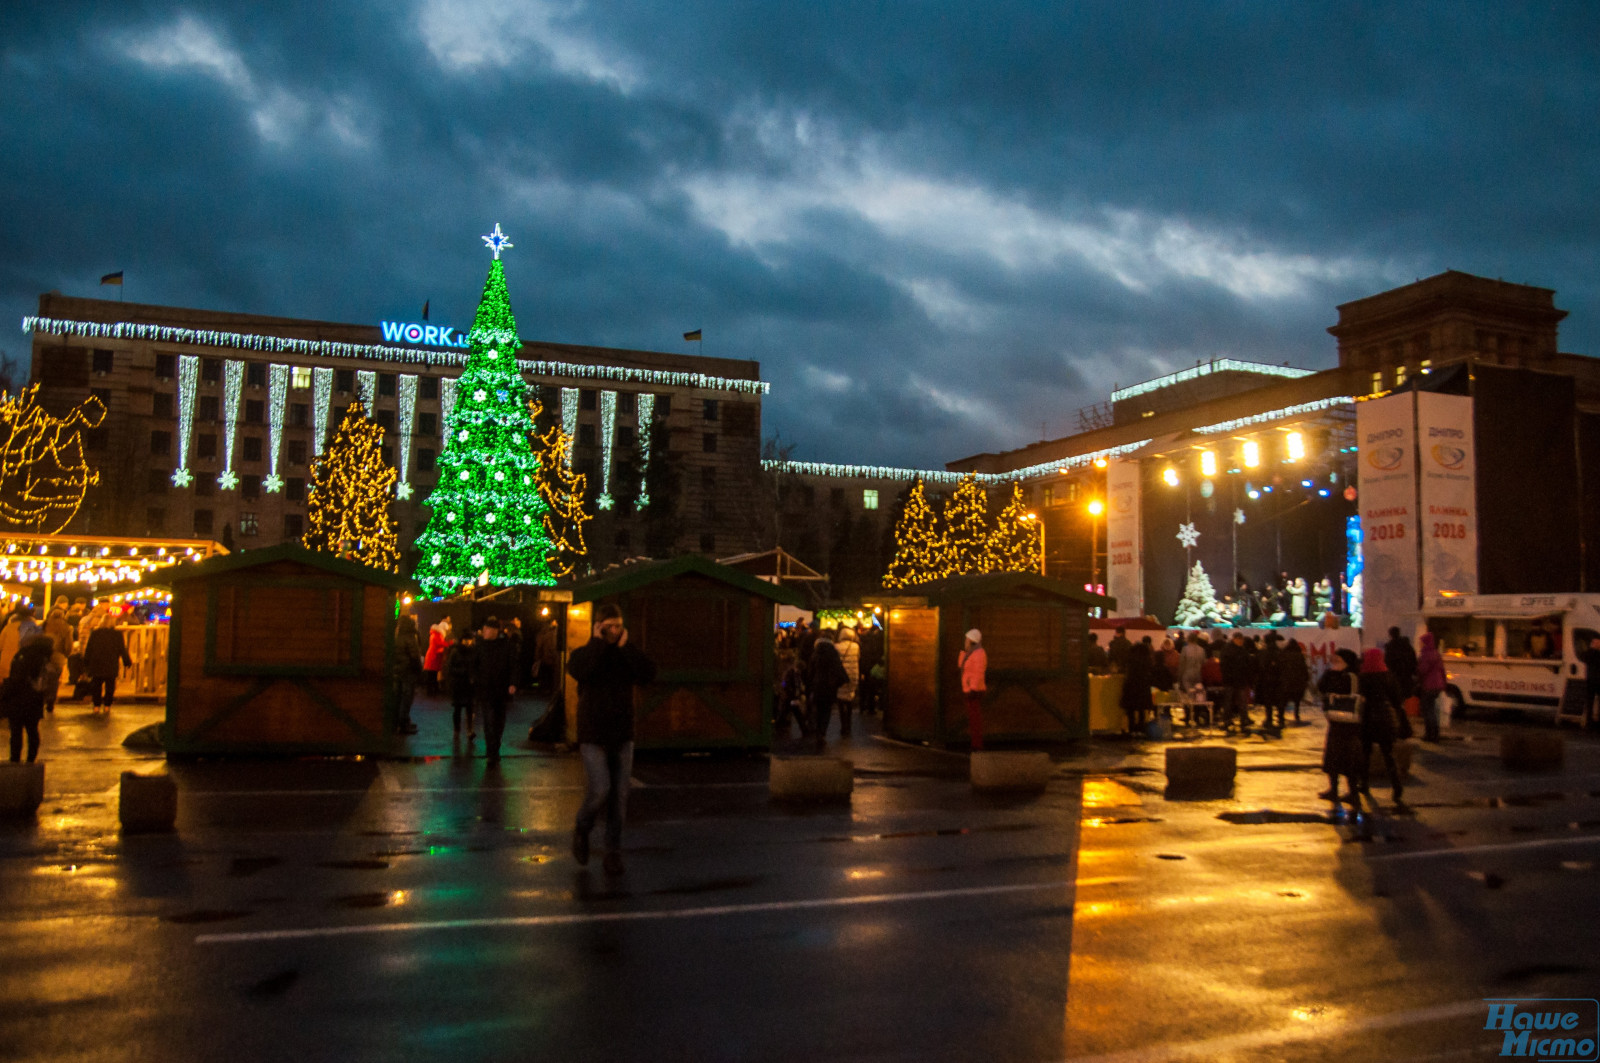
column 1515, row 651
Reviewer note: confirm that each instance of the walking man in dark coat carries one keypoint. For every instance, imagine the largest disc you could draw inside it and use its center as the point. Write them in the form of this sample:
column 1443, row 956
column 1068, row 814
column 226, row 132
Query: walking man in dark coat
column 104, row 653
column 494, row 683
column 824, row 679
column 607, row 669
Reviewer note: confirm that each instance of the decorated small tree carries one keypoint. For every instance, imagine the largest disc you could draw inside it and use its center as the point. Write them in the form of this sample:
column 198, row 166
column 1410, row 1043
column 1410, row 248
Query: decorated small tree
column 1199, row 602
column 488, row 522
column 348, row 498
column 966, row 521
column 1016, row 539
column 561, row 489
column 920, row 550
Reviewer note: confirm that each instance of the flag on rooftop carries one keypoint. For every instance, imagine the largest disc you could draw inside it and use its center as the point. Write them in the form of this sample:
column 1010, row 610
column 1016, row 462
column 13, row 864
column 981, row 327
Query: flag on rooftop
column 112, row 278
column 692, row 337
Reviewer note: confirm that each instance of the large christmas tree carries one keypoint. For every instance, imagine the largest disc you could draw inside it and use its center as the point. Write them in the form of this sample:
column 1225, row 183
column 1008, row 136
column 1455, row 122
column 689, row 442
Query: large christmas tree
column 348, row 503
column 966, row 520
column 488, row 518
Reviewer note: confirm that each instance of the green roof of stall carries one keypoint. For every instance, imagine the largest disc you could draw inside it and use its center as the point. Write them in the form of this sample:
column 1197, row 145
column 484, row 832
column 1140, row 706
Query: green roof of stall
column 247, row 559
column 643, row 573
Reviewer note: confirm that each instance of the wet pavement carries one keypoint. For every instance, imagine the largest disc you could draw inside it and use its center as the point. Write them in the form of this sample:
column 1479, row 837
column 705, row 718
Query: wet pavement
column 428, row 908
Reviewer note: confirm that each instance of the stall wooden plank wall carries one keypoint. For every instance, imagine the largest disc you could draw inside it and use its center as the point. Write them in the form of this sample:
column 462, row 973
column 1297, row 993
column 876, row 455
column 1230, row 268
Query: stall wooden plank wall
column 280, row 657
column 1036, row 675
column 912, row 655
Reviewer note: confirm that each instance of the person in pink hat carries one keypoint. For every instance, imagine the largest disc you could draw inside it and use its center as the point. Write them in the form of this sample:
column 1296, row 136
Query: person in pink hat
column 974, row 663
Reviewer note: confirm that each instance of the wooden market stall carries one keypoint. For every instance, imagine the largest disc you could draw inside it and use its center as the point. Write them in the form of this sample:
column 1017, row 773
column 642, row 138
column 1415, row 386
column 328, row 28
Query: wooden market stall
column 1034, row 632
column 709, row 630
column 280, row 650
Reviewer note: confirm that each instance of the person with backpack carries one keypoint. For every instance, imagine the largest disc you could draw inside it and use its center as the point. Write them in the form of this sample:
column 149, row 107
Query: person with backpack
column 21, row 697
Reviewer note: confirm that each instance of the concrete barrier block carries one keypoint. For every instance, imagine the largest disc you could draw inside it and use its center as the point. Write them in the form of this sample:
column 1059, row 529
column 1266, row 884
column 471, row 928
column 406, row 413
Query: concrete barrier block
column 810, row 779
column 148, row 802
column 1532, row 750
column 1201, row 770
column 21, row 788
column 1010, row 770
column 1403, row 753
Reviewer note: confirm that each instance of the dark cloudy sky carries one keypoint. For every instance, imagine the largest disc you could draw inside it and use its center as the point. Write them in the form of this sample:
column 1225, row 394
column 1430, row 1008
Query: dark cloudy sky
column 937, row 225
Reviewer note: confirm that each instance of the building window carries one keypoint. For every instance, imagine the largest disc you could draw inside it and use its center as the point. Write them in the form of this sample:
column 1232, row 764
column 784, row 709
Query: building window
column 869, row 498
column 708, row 511
column 161, row 404
column 104, row 362
column 625, row 435
column 836, row 497
column 1377, row 381
column 252, row 448
column 250, row 488
column 210, row 409
column 425, row 459
column 623, row 539
column 708, row 477
column 202, row 522
column 204, row 486
column 293, row 526
column 385, row 383
column 97, row 438
column 155, row 521
column 625, row 402
column 708, row 543
column 709, row 409
column 1426, row 366
column 255, row 374
column 249, row 527
column 210, row 370
column 386, row 420
column 586, row 434
column 255, row 411
column 161, row 443
column 300, row 376
column 708, row 443
column 297, row 452
column 427, row 425
column 344, row 381
column 386, row 452
column 586, row 399
column 205, row 446
column 166, row 366
column 428, row 387
column 1399, row 375
column 663, row 406
column 158, row 482
column 299, row 414
column 294, row 489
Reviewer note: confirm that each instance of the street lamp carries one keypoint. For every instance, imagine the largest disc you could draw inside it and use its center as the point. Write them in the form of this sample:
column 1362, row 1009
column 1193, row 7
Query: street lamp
column 1031, row 516
column 1095, row 508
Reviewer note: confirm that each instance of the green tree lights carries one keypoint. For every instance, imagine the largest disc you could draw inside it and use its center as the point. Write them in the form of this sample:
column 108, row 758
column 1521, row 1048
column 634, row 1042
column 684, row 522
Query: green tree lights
column 488, row 521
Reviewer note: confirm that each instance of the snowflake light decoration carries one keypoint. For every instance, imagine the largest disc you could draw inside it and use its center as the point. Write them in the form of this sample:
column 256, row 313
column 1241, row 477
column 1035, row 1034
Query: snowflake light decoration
column 272, row 484
column 228, row 480
column 403, row 492
column 182, row 478
column 1188, row 535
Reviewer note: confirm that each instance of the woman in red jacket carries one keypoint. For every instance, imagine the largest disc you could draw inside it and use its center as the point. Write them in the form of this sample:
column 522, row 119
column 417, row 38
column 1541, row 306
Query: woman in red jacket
column 439, row 642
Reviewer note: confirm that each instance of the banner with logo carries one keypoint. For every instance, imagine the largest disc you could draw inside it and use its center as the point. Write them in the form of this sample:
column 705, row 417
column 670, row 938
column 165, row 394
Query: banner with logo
column 1124, row 551
column 1447, row 495
column 1386, row 437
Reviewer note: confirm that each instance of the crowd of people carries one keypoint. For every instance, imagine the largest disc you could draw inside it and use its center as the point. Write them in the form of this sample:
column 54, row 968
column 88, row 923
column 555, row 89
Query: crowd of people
column 823, row 669
column 78, row 640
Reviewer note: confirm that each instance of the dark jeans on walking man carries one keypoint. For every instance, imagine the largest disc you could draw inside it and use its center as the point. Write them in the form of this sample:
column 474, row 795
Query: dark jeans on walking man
column 822, row 702
column 102, row 689
column 492, row 711
column 608, row 769
column 18, row 727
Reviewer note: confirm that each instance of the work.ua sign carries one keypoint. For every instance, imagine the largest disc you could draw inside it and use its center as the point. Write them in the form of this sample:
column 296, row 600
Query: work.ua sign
column 422, row 335
column 1548, row 1030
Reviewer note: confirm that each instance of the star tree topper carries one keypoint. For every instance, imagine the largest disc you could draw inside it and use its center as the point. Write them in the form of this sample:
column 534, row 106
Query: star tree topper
column 1188, row 536
column 497, row 241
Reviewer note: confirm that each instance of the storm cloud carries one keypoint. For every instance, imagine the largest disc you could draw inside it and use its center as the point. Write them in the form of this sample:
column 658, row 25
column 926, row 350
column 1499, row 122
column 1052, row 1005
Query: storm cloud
column 941, row 228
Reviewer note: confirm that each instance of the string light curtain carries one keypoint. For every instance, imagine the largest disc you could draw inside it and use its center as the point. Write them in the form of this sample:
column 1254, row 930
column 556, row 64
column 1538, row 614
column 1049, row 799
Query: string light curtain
column 232, row 388
column 407, row 393
column 608, row 431
column 569, row 418
column 188, row 381
column 321, row 400
column 447, row 403
column 277, row 400
column 367, row 388
column 647, row 411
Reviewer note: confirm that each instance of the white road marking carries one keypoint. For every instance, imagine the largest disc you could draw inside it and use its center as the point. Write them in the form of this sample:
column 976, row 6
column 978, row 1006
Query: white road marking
column 1221, row 1047
column 623, row 917
column 1538, row 843
column 396, row 789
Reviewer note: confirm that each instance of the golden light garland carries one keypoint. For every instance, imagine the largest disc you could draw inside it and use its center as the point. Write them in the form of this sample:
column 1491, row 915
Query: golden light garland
column 43, row 473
